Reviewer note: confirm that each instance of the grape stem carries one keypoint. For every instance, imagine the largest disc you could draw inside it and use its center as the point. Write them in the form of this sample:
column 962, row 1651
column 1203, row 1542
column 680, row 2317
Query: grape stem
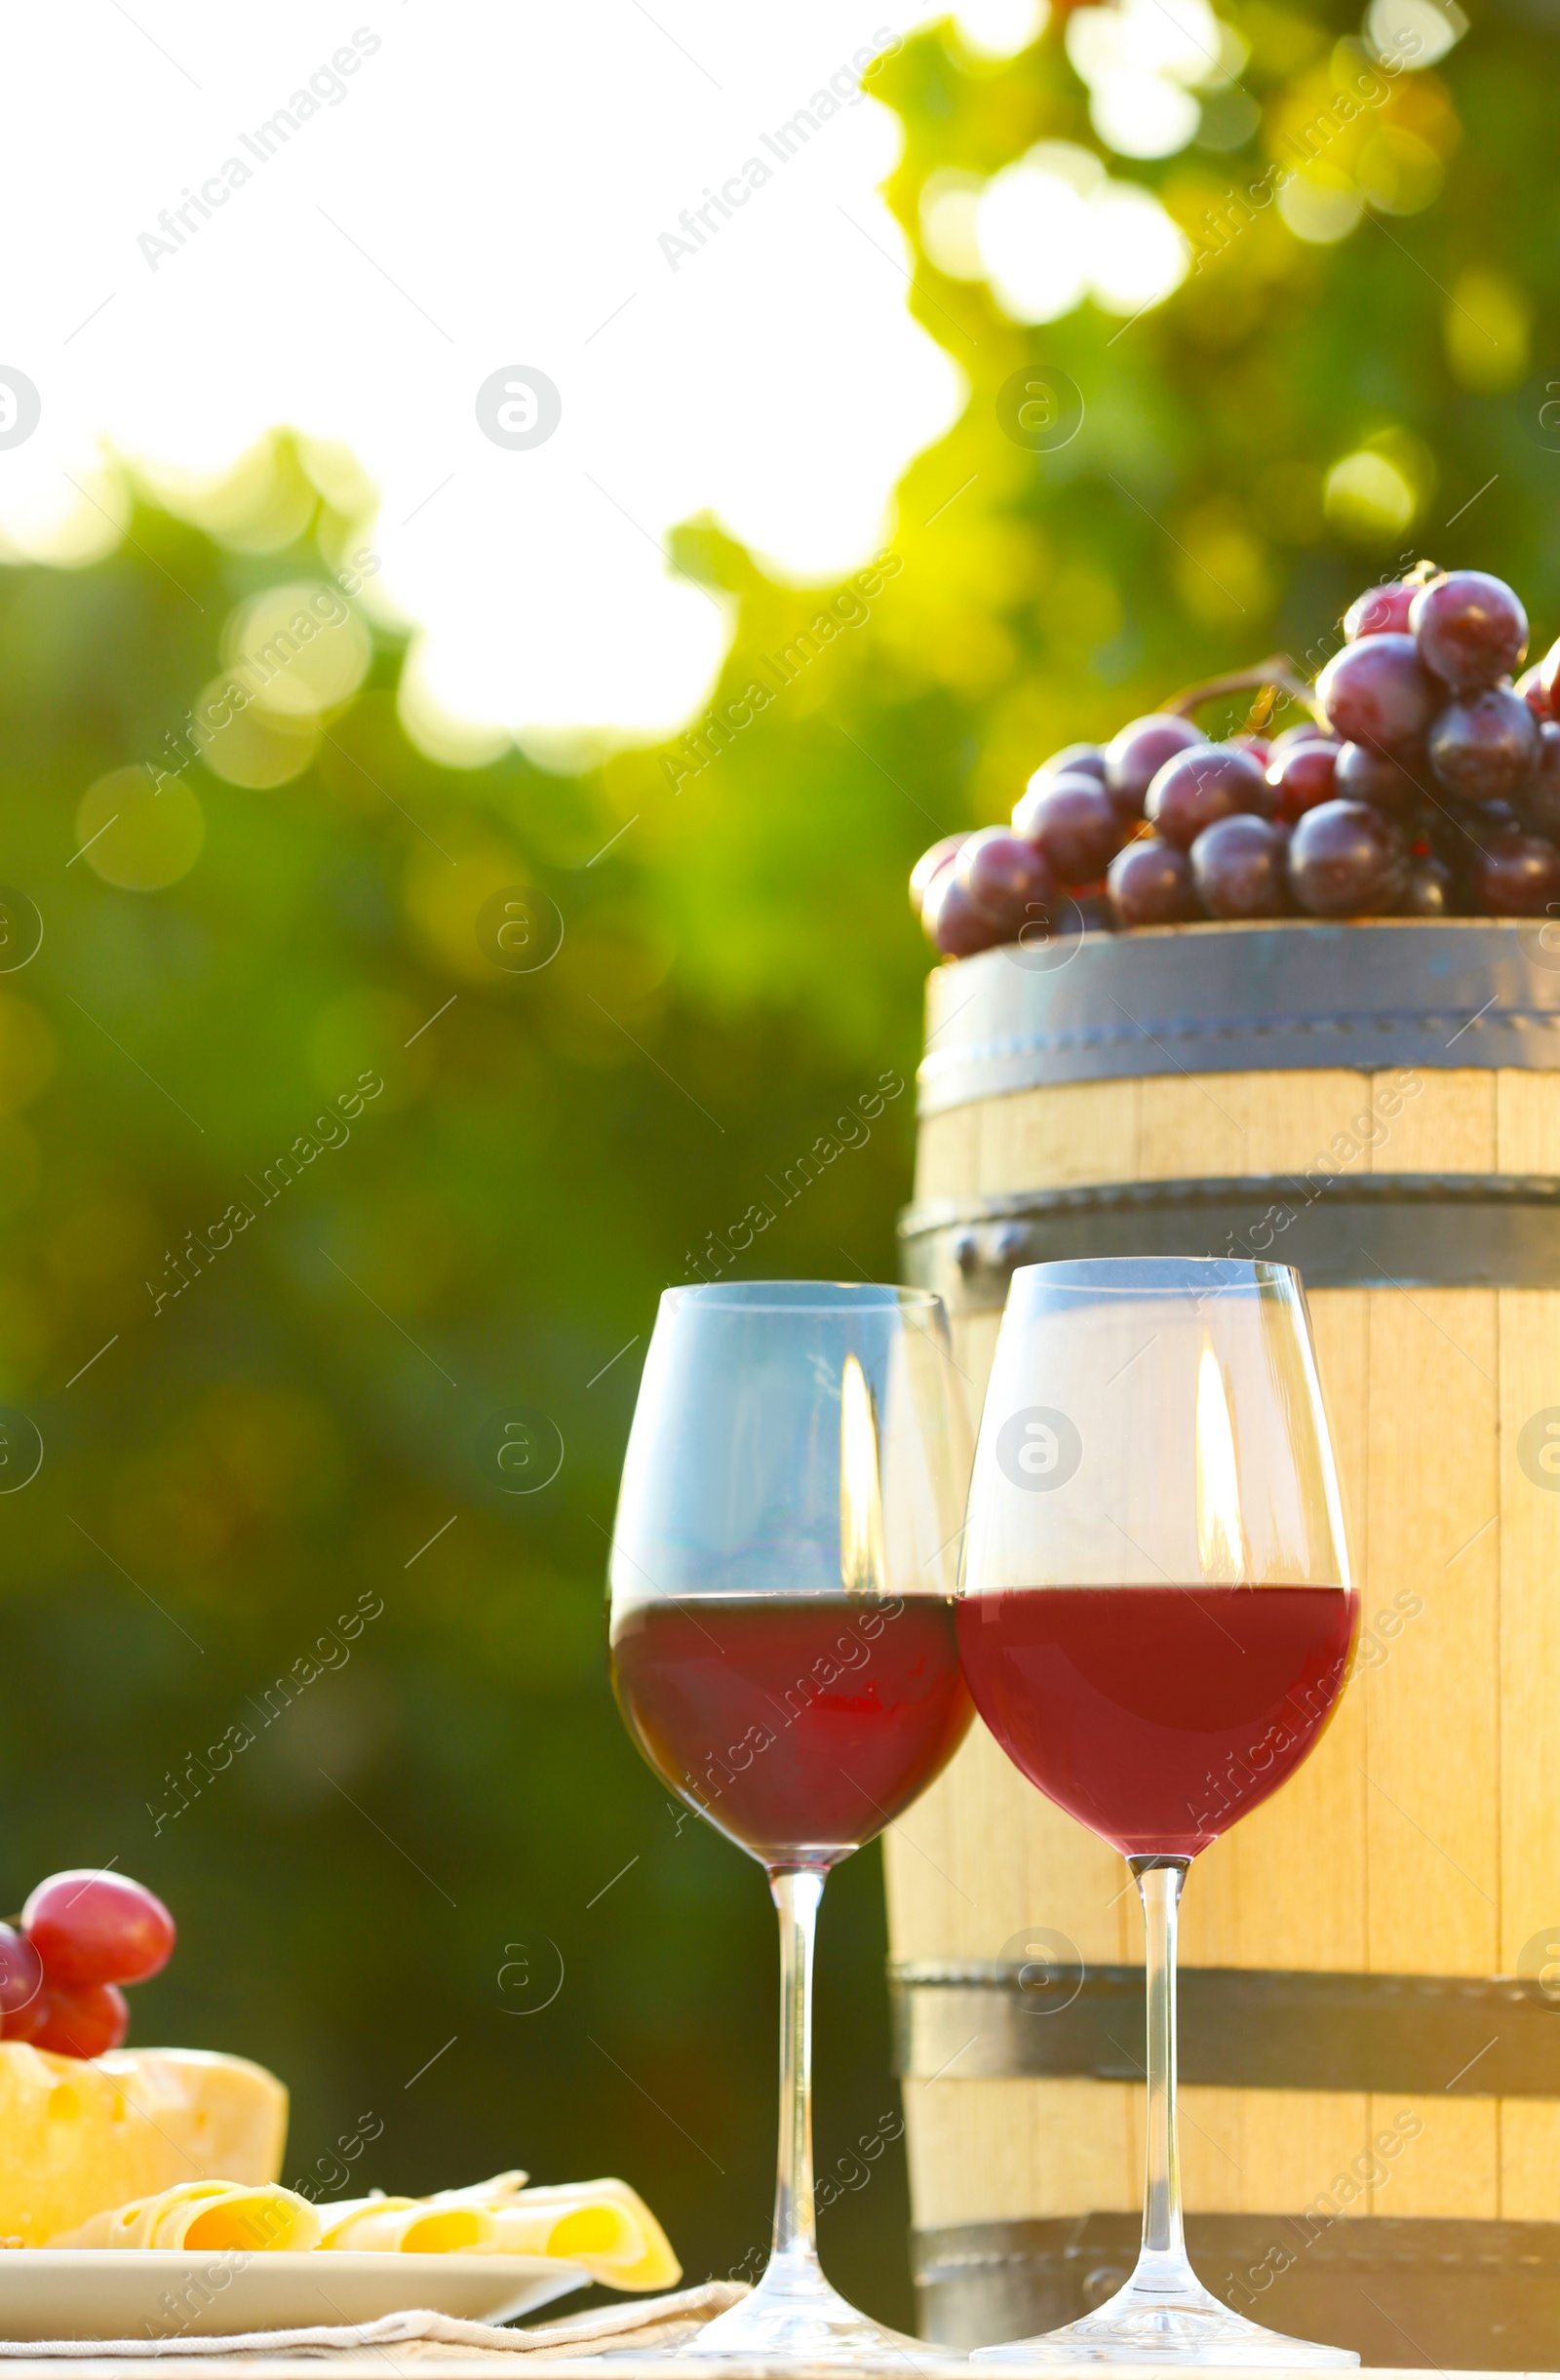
column 1268, row 678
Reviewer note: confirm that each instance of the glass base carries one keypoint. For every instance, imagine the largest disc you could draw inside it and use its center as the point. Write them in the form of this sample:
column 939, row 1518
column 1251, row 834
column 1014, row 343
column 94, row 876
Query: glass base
column 1154, row 2320
column 794, row 2316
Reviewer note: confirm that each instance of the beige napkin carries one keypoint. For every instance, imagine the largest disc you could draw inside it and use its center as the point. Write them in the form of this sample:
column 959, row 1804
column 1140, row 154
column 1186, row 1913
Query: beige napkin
column 652, row 2324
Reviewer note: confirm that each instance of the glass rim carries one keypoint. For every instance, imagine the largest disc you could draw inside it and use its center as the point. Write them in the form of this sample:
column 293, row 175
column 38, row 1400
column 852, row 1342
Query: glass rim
column 831, row 1298
column 1135, row 1277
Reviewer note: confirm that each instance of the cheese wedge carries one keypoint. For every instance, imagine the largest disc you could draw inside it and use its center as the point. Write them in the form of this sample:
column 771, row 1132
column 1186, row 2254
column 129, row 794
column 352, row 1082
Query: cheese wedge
column 604, row 2225
column 79, row 2136
column 204, row 2215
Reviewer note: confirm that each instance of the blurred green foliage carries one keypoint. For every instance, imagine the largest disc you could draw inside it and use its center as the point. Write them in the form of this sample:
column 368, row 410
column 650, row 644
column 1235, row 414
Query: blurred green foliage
column 376, row 1894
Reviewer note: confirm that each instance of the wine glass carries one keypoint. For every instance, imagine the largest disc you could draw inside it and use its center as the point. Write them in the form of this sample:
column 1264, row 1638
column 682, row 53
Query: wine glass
column 784, row 1643
column 1156, row 1620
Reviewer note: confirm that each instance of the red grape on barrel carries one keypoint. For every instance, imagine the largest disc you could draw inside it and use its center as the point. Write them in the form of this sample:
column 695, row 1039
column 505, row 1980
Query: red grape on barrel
column 1074, row 761
column 1134, row 758
column 1239, row 867
column 1003, row 876
column 1539, row 798
column 89, row 1926
column 1431, row 890
column 1348, row 860
column 82, row 2021
column 1534, row 692
column 1301, row 775
column 1380, row 693
column 1469, row 628
column 1201, row 785
column 1150, row 883
column 931, row 862
column 1397, row 786
column 1485, row 747
column 1073, row 822
column 952, row 923
column 1457, row 832
column 1515, row 875
column 1380, row 610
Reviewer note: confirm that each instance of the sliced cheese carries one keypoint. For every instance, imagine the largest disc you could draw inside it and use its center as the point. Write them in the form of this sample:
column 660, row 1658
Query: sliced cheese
column 210, row 2214
column 378, row 2222
column 80, row 2137
column 602, row 2225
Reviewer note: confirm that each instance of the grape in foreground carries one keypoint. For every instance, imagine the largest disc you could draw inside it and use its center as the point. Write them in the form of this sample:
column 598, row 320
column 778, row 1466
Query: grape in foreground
column 1302, row 774
column 953, row 924
column 1539, row 798
column 1471, row 629
column 1397, row 786
column 1073, row 823
column 21, row 1981
column 1201, row 785
column 1379, row 692
column 90, row 1927
column 941, row 855
column 1431, row 890
column 1348, row 860
column 1517, row 875
column 1074, row 761
column 1237, row 865
column 1150, row 883
column 1134, row 758
column 1486, row 746
column 82, row 2021
column 1380, row 610
column 1003, row 876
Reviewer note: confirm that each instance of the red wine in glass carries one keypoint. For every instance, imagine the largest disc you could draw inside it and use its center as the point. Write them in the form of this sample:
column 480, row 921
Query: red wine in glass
column 785, row 1649
column 1156, row 1623
column 801, row 1726
column 1158, row 1715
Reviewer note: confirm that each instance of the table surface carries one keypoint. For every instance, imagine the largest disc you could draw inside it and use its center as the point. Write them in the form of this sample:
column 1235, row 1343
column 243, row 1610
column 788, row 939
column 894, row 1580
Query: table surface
column 433, row 2361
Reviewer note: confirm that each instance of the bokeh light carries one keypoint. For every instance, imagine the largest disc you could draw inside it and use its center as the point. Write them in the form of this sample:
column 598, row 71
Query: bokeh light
column 247, row 744
column 1054, row 228
column 1369, row 497
column 297, row 649
column 1414, row 33
column 999, row 28
column 1142, row 59
column 139, row 834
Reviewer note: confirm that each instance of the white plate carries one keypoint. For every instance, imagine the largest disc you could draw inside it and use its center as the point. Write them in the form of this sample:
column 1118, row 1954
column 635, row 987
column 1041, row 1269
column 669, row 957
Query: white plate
column 166, row 2292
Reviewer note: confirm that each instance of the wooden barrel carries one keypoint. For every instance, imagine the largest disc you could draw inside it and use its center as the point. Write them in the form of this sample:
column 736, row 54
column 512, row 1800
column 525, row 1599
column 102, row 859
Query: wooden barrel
column 1371, row 1985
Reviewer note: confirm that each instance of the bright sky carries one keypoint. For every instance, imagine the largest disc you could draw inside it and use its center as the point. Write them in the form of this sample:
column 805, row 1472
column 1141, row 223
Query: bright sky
column 489, row 187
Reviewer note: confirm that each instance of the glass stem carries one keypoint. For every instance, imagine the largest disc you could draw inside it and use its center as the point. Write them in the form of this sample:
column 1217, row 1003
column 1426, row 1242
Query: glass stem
column 1163, row 2262
column 797, row 1892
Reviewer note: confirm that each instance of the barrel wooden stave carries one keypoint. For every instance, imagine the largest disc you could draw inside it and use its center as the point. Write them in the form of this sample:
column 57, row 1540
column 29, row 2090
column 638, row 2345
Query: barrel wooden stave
column 1422, row 1836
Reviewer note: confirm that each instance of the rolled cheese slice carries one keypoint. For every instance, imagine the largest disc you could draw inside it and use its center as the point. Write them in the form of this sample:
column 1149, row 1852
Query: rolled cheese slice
column 605, row 2226
column 212, row 2214
column 79, row 2136
column 602, row 2225
column 377, row 2222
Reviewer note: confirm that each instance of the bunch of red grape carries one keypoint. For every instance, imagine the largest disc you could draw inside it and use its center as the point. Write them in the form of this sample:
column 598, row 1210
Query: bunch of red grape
column 82, row 1934
column 1431, row 790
